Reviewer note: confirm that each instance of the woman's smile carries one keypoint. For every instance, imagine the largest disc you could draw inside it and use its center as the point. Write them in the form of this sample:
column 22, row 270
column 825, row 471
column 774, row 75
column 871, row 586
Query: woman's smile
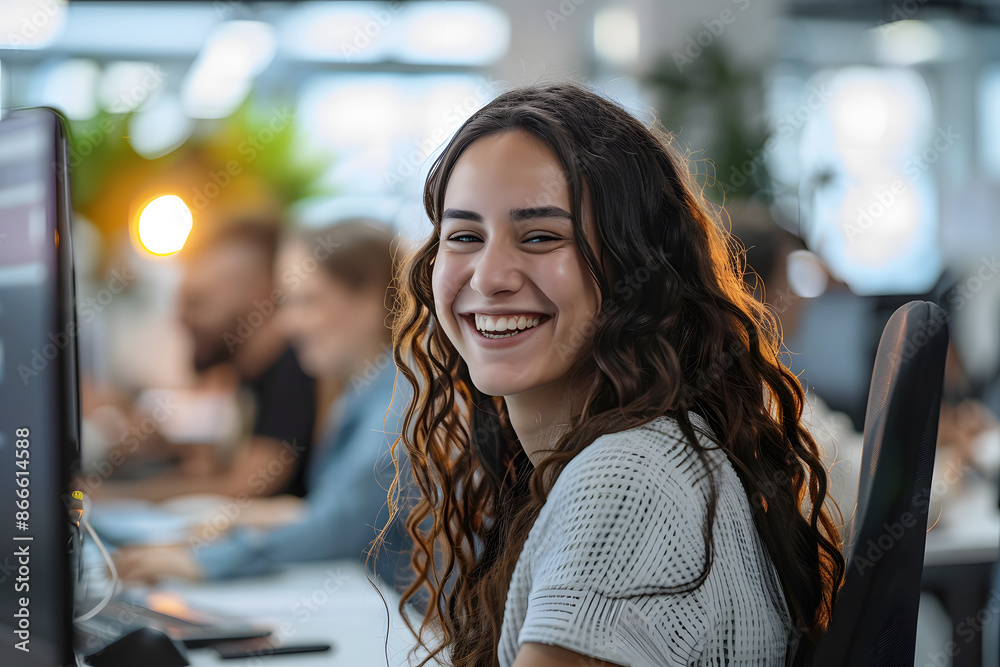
column 500, row 331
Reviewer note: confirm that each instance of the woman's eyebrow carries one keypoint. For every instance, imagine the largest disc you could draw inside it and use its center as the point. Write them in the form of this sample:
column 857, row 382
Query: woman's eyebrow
column 461, row 214
column 517, row 214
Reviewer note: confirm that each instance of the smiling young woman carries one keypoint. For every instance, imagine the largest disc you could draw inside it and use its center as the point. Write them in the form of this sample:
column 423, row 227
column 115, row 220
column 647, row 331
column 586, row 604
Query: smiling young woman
column 609, row 454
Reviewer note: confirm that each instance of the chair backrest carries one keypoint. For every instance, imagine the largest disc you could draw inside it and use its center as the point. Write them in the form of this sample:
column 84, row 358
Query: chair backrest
column 875, row 619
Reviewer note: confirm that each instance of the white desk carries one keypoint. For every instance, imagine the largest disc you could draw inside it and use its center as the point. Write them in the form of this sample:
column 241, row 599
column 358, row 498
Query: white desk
column 329, row 602
column 970, row 532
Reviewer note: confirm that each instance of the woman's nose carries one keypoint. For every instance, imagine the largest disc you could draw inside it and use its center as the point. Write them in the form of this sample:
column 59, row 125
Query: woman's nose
column 497, row 269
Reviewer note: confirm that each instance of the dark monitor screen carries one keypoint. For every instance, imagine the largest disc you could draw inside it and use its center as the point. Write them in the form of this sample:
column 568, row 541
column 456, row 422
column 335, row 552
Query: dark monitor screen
column 39, row 445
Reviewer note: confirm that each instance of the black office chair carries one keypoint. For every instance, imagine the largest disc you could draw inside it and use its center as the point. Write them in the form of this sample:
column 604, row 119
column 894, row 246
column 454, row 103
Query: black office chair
column 874, row 622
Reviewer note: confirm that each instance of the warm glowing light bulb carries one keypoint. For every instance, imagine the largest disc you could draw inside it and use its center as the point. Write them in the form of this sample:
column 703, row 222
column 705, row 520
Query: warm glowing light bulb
column 164, row 225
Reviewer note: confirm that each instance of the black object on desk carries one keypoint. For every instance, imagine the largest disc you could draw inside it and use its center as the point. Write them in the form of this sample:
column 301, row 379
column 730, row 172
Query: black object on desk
column 264, row 646
column 146, row 645
column 128, row 630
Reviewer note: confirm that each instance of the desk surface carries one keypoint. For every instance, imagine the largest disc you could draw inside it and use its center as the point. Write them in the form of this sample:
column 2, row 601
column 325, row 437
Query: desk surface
column 970, row 531
column 329, row 602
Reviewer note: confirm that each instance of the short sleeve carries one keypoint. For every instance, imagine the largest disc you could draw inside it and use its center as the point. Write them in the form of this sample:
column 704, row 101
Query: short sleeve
column 621, row 544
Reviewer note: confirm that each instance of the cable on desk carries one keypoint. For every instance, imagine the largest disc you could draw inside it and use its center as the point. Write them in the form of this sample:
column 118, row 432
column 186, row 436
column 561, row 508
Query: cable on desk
column 84, row 519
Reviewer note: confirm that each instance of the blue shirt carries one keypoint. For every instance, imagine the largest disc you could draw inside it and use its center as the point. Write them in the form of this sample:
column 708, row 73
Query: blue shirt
column 347, row 484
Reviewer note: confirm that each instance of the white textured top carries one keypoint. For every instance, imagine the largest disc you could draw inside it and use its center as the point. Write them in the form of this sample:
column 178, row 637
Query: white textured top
column 622, row 530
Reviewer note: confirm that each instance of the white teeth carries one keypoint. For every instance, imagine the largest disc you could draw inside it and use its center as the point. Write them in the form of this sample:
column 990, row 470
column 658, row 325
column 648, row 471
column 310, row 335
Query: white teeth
column 514, row 324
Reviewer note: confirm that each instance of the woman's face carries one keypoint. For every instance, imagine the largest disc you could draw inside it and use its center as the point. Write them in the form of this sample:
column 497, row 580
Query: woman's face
column 511, row 289
column 328, row 324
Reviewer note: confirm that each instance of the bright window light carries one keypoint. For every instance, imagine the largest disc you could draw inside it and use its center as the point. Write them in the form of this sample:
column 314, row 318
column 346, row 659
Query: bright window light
column 453, row 33
column 869, row 154
column 880, row 218
column 69, row 86
column 30, row 24
column 222, row 75
column 238, row 49
column 134, row 29
column 126, row 85
column 164, row 225
column 989, row 124
column 879, row 110
column 338, row 32
column 446, row 103
column 354, row 112
column 906, row 43
column 159, row 128
column 616, row 35
column 430, row 33
column 806, row 274
column 385, row 129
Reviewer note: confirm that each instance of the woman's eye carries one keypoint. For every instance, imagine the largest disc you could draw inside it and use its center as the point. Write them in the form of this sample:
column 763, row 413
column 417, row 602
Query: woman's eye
column 541, row 238
column 464, row 238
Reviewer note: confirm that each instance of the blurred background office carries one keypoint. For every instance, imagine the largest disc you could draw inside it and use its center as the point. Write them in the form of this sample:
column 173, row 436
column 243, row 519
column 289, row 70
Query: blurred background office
column 854, row 146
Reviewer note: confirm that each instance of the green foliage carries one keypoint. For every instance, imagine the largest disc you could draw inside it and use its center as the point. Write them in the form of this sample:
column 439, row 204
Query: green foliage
column 713, row 93
column 96, row 147
column 264, row 143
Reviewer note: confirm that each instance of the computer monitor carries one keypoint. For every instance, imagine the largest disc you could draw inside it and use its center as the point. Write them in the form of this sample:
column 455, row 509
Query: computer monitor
column 39, row 422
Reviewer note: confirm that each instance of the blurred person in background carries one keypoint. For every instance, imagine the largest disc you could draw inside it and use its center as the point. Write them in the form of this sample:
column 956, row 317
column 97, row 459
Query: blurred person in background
column 337, row 315
column 227, row 304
